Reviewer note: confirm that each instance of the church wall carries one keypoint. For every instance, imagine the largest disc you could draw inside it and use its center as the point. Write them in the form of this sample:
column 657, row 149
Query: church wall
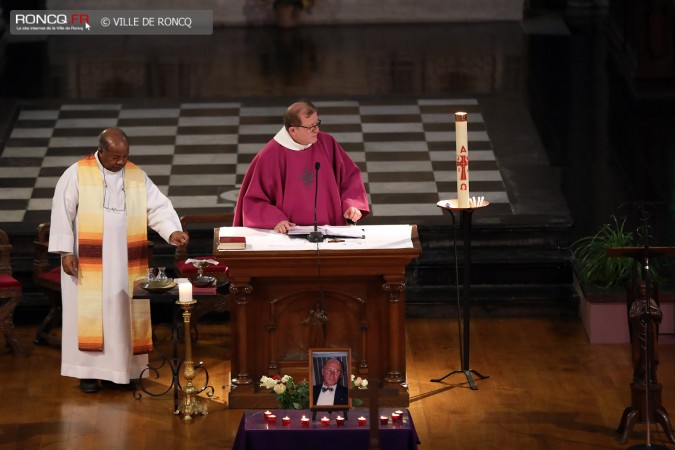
column 439, row 59
column 260, row 12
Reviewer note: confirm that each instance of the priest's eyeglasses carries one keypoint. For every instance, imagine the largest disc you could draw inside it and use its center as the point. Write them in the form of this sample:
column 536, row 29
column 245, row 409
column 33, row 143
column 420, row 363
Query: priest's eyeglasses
column 311, row 128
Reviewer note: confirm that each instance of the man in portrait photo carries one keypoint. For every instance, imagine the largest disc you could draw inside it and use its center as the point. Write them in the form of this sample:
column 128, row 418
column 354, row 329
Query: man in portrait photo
column 331, row 391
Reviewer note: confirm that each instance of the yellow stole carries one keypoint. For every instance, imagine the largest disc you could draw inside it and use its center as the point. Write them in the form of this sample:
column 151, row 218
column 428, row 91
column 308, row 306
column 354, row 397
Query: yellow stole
column 90, row 253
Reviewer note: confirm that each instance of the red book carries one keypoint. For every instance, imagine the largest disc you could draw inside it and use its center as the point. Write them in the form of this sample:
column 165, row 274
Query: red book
column 232, row 243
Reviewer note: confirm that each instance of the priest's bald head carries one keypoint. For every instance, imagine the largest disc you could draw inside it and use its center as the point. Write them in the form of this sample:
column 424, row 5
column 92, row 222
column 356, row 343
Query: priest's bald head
column 113, row 149
column 301, row 122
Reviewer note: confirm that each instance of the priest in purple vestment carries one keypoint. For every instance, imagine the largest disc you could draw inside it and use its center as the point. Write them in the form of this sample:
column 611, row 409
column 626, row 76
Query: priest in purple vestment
column 279, row 187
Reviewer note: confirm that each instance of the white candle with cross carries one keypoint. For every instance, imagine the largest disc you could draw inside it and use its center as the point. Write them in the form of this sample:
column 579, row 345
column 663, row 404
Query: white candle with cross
column 462, row 159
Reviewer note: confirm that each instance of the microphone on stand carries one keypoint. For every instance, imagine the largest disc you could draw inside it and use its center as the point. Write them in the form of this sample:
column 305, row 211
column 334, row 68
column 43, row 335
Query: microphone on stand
column 319, row 313
column 316, row 236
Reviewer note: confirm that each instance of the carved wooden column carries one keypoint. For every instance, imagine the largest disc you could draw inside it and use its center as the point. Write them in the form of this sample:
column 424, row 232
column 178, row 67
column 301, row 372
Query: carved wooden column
column 239, row 292
column 393, row 290
column 363, row 362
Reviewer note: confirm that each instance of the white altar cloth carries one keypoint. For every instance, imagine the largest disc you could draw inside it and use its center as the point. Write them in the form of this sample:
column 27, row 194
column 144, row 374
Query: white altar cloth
column 376, row 237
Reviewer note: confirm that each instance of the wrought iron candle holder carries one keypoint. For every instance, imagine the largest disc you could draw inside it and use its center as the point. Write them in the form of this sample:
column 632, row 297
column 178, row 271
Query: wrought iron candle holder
column 191, row 404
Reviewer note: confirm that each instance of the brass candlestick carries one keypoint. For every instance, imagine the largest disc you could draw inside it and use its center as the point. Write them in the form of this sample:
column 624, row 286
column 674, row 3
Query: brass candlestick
column 191, row 405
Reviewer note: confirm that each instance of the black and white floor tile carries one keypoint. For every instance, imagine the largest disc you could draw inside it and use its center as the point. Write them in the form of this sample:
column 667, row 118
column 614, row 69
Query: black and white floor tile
column 197, row 153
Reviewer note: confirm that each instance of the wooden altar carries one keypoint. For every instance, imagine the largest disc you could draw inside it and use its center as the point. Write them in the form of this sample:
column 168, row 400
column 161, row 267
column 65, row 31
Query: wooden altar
column 280, row 308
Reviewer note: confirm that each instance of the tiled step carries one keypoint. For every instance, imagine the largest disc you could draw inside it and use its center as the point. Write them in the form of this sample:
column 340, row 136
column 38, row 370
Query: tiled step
column 514, row 270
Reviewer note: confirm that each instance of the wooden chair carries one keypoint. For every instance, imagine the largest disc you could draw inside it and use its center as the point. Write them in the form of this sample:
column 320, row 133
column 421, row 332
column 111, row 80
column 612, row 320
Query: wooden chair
column 200, row 227
column 10, row 295
column 47, row 276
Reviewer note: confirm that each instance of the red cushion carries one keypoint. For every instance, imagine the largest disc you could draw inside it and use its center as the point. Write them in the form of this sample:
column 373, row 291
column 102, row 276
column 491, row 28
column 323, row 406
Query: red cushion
column 190, row 268
column 53, row 275
column 8, row 281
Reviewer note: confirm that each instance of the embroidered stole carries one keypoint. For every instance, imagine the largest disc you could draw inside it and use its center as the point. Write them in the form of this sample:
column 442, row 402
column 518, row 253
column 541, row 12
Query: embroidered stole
column 90, row 255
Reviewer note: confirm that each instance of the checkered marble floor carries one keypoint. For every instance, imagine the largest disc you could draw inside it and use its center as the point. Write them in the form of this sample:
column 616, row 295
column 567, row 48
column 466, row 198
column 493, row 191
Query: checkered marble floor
column 197, row 153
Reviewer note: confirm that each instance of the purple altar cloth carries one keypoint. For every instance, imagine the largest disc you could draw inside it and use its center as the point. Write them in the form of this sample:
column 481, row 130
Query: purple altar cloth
column 255, row 433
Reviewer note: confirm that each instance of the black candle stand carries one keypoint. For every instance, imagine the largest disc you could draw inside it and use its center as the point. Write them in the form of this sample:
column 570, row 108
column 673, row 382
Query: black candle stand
column 463, row 313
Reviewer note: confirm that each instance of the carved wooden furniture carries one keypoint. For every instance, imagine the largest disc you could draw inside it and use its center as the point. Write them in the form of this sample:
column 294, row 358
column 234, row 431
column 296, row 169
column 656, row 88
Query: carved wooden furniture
column 280, row 308
column 644, row 316
column 10, row 295
column 47, row 276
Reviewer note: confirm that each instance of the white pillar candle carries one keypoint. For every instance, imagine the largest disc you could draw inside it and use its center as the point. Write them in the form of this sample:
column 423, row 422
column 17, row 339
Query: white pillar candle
column 185, row 292
column 462, row 159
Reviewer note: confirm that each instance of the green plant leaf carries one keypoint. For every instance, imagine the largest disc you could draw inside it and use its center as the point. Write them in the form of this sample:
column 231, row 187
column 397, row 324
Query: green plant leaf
column 594, row 267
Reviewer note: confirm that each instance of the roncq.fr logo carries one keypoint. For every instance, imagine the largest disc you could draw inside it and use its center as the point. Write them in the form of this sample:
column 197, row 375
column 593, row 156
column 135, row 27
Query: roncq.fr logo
column 51, row 19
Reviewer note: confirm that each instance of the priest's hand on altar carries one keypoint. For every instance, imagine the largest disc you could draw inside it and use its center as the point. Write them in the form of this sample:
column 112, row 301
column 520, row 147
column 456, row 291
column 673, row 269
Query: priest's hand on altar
column 283, row 226
column 352, row 214
column 179, row 238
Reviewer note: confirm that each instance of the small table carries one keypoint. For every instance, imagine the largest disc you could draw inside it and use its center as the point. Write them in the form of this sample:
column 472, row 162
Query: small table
column 255, row 433
column 210, row 298
column 175, row 361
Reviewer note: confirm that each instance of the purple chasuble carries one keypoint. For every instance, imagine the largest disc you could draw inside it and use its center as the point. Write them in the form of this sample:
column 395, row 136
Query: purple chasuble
column 280, row 185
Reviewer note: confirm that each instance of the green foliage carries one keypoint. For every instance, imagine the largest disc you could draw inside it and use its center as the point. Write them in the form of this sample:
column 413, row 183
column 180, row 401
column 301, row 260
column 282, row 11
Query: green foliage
column 296, row 395
column 594, row 267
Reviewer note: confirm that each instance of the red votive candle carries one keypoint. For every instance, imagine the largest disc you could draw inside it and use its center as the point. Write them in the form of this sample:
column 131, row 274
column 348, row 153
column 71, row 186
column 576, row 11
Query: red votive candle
column 267, row 414
column 271, row 418
column 384, row 420
column 395, row 417
column 325, row 421
column 361, row 420
column 286, row 420
column 305, row 421
column 340, row 420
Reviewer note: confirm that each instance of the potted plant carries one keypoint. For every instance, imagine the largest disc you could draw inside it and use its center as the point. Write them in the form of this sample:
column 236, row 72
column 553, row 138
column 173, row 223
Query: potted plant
column 605, row 284
column 594, row 268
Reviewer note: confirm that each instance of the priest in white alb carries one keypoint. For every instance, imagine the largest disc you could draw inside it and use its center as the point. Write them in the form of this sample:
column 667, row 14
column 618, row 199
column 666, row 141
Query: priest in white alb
column 102, row 207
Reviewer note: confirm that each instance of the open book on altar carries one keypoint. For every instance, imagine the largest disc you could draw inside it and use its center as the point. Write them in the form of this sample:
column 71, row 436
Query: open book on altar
column 329, row 231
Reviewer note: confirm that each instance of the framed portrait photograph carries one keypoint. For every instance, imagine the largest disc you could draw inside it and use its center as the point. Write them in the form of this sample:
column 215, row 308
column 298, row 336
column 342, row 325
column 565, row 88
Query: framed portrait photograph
column 330, row 376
